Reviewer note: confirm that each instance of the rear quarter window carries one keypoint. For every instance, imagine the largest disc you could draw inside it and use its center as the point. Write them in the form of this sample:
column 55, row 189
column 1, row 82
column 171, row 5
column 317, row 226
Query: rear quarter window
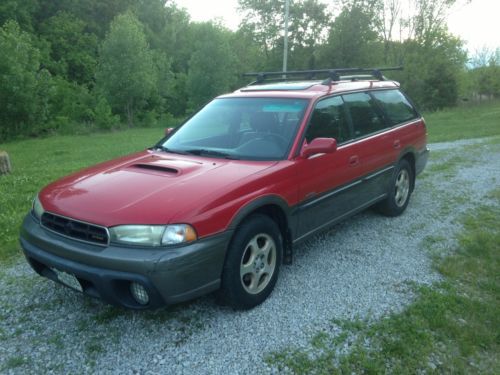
column 395, row 105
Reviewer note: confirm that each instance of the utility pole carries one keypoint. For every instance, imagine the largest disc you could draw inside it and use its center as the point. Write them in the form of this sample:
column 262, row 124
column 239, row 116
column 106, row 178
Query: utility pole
column 285, row 47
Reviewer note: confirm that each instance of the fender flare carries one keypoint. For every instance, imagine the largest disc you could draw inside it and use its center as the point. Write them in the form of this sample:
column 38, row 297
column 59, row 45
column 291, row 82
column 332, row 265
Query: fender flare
column 407, row 150
column 413, row 152
column 257, row 203
column 290, row 224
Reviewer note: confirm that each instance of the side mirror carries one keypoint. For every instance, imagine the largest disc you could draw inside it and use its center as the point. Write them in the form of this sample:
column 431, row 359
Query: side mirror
column 168, row 131
column 319, row 146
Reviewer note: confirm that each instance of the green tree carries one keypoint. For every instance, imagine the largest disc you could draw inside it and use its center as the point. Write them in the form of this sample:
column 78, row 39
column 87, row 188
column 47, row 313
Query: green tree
column 353, row 40
column 20, row 11
column 485, row 74
column 432, row 71
column 73, row 51
column 212, row 64
column 153, row 16
column 308, row 29
column 264, row 21
column 248, row 54
column 103, row 116
column 428, row 19
column 96, row 14
column 24, row 86
column 163, row 93
column 174, row 44
column 126, row 74
column 176, row 38
column 71, row 106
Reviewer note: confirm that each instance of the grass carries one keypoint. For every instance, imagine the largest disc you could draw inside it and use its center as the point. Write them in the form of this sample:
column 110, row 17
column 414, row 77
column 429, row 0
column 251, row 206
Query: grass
column 473, row 121
column 37, row 162
column 453, row 327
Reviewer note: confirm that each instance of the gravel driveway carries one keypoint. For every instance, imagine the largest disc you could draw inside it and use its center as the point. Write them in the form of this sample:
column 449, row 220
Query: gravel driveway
column 361, row 268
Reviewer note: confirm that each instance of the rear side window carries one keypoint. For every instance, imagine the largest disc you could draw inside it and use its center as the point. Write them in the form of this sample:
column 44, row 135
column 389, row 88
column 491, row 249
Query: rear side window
column 365, row 116
column 329, row 121
column 397, row 108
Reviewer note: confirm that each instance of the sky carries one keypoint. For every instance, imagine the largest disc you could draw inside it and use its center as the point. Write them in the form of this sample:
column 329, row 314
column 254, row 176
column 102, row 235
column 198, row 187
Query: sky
column 477, row 23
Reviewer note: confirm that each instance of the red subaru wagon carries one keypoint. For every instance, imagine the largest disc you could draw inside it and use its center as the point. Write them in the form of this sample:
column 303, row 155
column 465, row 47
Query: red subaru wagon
column 219, row 203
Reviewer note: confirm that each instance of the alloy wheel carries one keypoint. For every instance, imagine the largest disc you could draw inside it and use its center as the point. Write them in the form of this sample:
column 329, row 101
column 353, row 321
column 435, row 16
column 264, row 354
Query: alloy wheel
column 258, row 263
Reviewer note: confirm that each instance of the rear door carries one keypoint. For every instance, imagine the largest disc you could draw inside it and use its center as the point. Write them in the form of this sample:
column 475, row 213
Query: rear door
column 374, row 144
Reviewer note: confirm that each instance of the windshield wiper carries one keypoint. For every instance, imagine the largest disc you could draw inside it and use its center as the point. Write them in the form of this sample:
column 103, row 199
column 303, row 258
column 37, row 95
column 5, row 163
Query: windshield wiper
column 202, row 151
column 166, row 149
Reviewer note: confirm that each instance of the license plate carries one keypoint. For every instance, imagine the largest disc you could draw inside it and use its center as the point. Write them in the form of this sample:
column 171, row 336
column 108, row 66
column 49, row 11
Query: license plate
column 68, row 279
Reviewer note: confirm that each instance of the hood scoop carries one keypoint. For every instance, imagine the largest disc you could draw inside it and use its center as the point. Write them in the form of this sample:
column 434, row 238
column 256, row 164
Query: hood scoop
column 156, row 168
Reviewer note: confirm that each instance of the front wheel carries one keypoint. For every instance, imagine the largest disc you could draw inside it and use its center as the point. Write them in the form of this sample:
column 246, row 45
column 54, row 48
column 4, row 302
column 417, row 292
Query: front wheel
column 252, row 263
column 399, row 191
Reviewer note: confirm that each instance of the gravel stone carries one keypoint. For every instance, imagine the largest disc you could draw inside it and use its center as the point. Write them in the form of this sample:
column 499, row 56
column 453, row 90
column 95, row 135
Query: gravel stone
column 363, row 268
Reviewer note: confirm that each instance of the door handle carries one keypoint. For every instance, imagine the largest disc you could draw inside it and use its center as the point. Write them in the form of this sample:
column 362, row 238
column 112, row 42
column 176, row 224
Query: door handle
column 354, row 160
column 396, row 144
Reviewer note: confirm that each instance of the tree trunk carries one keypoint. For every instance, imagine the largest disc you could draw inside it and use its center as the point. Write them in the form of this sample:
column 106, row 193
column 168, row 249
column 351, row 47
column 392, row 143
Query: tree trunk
column 4, row 163
column 130, row 113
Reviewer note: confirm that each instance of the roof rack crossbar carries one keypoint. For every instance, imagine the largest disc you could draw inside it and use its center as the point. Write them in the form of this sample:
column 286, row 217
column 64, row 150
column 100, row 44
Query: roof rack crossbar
column 332, row 74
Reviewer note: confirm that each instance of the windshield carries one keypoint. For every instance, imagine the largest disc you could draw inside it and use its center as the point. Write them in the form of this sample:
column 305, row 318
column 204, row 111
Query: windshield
column 240, row 128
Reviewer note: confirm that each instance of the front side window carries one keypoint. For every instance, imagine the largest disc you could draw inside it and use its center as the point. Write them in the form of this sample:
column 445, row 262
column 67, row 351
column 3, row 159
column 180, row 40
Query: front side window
column 329, row 121
column 240, row 128
column 397, row 108
column 364, row 114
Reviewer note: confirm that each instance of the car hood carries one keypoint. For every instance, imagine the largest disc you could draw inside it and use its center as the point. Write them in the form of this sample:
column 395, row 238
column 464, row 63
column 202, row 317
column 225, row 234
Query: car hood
column 146, row 188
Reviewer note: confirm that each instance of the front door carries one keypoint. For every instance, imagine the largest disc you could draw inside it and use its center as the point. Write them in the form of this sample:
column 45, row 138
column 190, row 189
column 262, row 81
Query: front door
column 328, row 182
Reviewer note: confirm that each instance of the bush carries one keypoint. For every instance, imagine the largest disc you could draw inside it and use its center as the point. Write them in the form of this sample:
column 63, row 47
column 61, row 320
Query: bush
column 149, row 119
column 103, row 116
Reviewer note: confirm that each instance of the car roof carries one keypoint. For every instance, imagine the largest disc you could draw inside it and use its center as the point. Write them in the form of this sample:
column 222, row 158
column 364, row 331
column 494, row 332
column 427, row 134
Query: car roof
column 309, row 89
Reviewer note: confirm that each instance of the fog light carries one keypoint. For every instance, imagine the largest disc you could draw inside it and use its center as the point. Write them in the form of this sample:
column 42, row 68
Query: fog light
column 139, row 293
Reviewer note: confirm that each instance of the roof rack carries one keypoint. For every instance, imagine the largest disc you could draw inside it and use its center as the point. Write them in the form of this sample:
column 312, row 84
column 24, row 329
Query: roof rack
column 333, row 75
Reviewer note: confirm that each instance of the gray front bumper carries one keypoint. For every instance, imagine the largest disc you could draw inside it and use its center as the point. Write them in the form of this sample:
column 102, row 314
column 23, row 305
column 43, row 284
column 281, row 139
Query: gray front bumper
column 170, row 275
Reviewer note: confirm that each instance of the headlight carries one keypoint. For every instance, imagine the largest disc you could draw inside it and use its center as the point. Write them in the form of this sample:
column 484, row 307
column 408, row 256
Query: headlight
column 37, row 208
column 178, row 233
column 152, row 235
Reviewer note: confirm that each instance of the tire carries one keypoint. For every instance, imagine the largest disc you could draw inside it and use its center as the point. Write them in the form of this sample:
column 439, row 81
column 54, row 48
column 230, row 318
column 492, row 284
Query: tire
column 399, row 192
column 252, row 263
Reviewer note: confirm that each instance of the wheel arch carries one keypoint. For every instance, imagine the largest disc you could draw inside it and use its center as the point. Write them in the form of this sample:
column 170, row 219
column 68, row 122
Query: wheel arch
column 409, row 154
column 278, row 210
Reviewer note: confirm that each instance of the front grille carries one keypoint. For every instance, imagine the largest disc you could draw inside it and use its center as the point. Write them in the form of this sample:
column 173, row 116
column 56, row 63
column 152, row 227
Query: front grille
column 75, row 229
